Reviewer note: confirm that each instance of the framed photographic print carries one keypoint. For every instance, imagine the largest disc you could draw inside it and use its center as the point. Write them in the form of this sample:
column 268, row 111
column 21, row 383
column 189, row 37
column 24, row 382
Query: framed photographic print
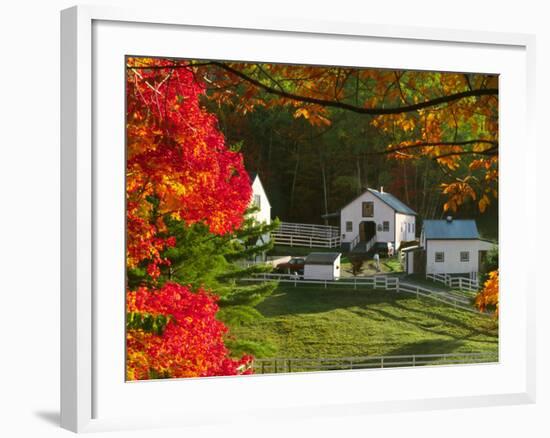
column 331, row 212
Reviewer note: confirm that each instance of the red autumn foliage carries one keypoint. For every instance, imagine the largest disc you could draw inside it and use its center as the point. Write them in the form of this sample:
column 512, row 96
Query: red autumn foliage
column 191, row 344
column 178, row 164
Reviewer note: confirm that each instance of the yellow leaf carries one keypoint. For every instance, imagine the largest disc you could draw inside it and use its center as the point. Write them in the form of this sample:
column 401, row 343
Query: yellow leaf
column 301, row 112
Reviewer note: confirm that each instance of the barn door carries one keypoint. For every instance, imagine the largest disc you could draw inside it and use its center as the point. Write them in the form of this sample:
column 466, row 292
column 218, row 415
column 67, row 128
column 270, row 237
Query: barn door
column 362, row 232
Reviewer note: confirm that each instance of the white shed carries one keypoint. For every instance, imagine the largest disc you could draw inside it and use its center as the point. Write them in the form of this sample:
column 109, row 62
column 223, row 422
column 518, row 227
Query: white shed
column 322, row 266
column 452, row 246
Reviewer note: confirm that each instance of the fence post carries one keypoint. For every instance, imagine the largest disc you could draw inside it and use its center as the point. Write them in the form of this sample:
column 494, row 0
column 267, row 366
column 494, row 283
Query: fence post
column 382, row 362
column 355, row 282
column 325, row 284
column 417, row 290
column 459, row 283
column 291, row 240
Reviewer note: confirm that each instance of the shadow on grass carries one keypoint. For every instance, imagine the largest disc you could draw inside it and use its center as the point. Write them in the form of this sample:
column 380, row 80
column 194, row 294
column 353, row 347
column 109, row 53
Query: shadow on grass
column 456, row 322
column 289, row 300
column 429, row 346
column 436, row 346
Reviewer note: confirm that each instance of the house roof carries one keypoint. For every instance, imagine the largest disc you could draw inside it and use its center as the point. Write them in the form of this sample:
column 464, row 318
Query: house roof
column 393, row 202
column 388, row 199
column 450, row 229
column 322, row 258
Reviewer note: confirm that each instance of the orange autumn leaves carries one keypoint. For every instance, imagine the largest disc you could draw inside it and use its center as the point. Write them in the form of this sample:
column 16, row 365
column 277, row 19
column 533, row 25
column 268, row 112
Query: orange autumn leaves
column 178, row 167
column 460, row 134
column 487, row 298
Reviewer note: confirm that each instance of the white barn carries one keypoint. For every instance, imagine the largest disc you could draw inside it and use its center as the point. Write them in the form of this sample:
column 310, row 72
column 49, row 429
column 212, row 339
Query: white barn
column 260, row 200
column 322, row 266
column 448, row 246
column 376, row 216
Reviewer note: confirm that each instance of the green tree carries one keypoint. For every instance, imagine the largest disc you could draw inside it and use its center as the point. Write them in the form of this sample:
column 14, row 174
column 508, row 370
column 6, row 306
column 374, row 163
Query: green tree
column 219, row 263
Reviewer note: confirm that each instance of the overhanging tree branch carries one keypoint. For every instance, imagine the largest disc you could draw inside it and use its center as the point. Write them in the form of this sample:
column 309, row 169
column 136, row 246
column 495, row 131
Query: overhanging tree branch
column 493, row 143
column 337, row 104
column 357, row 109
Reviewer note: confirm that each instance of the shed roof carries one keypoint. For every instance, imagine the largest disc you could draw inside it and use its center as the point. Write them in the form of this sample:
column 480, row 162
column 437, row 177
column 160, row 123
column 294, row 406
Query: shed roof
column 322, row 258
column 412, row 248
column 450, row 229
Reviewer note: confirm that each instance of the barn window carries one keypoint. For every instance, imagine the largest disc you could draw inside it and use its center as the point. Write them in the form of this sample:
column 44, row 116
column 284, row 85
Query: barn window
column 413, row 227
column 386, row 226
column 349, row 226
column 439, row 257
column 408, row 227
column 368, row 209
column 258, row 201
column 464, row 256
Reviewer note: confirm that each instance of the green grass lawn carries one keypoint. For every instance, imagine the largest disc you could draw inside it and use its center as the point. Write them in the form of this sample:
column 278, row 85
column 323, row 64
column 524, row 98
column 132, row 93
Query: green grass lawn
column 309, row 321
column 388, row 265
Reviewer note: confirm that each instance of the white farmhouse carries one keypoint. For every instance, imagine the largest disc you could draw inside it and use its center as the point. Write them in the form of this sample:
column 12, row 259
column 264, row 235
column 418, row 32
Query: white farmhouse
column 376, row 216
column 260, row 200
column 322, row 266
column 448, row 246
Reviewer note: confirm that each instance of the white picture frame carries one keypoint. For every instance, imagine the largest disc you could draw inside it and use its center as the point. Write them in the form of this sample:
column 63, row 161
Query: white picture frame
column 87, row 400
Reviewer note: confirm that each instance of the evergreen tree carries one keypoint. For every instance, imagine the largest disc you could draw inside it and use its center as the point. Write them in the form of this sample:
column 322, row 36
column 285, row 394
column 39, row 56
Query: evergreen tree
column 218, row 263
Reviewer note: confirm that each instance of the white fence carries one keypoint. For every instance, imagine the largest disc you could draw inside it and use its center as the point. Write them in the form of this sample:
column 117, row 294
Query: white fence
column 295, row 234
column 377, row 282
column 288, row 365
column 456, row 282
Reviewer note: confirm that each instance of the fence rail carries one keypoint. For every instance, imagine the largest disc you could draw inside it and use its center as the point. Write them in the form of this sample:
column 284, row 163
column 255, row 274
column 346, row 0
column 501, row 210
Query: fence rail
column 381, row 282
column 310, row 235
column 287, row 365
column 461, row 283
column 309, row 241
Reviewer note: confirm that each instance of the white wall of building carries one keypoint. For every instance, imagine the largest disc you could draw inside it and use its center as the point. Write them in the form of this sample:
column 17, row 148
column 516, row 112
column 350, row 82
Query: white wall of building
column 323, row 272
column 409, row 263
column 354, row 212
column 405, row 226
column 452, row 250
column 264, row 215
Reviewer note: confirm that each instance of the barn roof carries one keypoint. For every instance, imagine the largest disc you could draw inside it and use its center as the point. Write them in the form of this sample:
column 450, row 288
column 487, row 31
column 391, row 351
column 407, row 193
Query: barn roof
column 322, row 258
column 451, row 229
column 393, row 202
